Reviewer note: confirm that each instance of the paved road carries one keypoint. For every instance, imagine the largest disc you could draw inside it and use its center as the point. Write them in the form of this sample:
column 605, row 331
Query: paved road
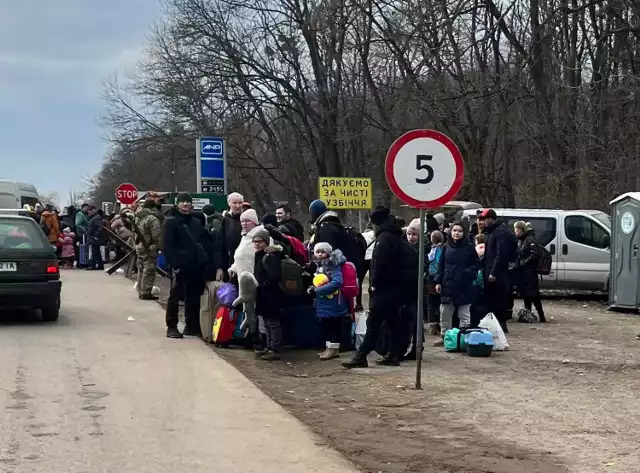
column 98, row 393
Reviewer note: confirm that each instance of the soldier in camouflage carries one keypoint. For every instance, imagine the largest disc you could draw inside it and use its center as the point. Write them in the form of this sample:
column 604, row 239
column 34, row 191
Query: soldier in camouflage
column 147, row 238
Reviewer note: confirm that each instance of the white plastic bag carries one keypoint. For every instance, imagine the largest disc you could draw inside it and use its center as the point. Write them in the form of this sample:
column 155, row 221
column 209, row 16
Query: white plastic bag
column 361, row 326
column 492, row 325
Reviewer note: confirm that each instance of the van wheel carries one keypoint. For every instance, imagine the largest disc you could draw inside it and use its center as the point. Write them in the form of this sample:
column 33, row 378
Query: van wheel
column 51, row 313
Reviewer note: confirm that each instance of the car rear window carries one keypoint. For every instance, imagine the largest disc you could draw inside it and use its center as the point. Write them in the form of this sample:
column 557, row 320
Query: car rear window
column 20, row 234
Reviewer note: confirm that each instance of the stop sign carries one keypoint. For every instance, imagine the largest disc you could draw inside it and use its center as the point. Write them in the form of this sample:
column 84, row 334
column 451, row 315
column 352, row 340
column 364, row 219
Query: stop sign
column 126, row 194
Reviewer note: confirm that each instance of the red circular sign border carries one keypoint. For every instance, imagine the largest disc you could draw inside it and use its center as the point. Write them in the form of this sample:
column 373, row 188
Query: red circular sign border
column 393, row 153
column 125, row 184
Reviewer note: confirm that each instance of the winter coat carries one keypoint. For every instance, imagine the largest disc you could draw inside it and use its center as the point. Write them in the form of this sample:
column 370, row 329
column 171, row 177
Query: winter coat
column 527, row 278
column 457, row 271
column 330, row 230
column 228, row 239
column 329, row 299
column 185, row 243
column 393, row 280
column 496, row 255
column 68, row 249
column 95, row 231
column 67, row 221
column 267, row 271
column 82, row 223
column 243, row 258
column 149, row 228
column 294, row 227
column 50, row 220
column 118, row 226
column 279, row 239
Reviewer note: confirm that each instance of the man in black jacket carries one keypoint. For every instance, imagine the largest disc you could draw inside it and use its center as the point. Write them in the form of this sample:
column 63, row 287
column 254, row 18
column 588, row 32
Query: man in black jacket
column 394, row 273
column 187, row 250
column 296, row 230
column 229, row 235
column 497, row 255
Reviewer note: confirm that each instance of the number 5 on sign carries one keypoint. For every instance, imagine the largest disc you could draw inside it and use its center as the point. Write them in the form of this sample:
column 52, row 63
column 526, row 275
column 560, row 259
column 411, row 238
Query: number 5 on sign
column 424, row 168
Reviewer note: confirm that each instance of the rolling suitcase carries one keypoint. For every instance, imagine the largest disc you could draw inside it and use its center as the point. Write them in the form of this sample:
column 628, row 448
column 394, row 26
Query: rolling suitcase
column 83, row 253
column 224, row 325
column 208, row 309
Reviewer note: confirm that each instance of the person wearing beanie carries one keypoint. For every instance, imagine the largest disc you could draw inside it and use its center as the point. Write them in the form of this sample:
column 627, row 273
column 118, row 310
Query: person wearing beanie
column 393, row 284
column 331, row 305
column 329, row 229
column 213, row 220
column 228, row 235
column 269, row 293
column 188, row 250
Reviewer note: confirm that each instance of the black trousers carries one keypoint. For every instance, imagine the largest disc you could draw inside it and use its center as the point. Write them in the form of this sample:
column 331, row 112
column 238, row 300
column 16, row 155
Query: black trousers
column 390, row 313
column 537, row 303
column 498, row 298
column 332, row 329
column 96, row 257
column 186, row 286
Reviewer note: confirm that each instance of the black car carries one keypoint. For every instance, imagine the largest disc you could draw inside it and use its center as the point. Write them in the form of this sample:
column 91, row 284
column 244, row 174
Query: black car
column 29, row 272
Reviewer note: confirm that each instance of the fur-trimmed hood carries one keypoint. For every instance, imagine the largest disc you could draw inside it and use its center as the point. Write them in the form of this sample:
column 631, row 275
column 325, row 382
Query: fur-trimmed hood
column 335, row 260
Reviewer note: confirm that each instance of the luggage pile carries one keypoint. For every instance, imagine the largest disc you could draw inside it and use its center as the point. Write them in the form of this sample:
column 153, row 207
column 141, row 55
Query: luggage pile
column 221, row 323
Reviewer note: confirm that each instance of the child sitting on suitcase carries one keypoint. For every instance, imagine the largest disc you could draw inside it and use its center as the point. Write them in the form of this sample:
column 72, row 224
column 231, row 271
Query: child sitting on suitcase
column 331, row 305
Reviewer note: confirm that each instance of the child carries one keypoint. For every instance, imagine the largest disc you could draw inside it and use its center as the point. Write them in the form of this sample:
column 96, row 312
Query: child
column 457, row 271
column 331, row 305
column 68, row 248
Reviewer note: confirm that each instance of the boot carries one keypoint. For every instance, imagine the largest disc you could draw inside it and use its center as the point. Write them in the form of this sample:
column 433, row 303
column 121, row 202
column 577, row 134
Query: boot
column 174, row 333
column 542, row 318
column 326, row 349
column 358, row 361
column 270, row 356
column 388, row 361
column 439, row 342
column 333, row 351
column 148, row 297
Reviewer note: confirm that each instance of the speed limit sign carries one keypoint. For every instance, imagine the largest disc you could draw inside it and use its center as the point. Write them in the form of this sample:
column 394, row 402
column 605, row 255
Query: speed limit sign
column 424, row 168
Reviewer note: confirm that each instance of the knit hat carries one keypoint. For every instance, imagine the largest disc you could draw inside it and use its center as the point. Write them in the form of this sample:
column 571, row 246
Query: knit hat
column 184, row 197
column 414, row 225
column 250, row 214
column 439, row 218
column 380, row 215
column 208, row 209
column 270, row 219
column 263, row 234
column 317, row 208
column 323, row 246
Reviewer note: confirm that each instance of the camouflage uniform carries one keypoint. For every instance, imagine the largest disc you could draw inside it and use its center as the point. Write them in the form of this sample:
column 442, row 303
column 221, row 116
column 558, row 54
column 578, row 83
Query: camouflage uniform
column 149, row 226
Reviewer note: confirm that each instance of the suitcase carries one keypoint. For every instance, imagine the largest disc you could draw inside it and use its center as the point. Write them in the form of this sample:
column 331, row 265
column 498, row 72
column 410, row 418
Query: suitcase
column 238, row 333
column 83, row 253
column 224, row 325
column 208, row 309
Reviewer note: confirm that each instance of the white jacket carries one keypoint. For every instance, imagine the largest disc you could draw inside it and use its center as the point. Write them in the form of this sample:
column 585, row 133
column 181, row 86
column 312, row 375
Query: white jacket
column 244, row 257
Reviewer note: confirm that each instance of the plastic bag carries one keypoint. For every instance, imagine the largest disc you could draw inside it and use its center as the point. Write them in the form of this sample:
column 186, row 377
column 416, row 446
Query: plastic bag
column 454, row 340
column 227, row 294
column 360, row 329
column 492, row 325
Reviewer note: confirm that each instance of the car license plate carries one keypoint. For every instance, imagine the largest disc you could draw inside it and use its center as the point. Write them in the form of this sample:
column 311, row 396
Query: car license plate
column 8, row 267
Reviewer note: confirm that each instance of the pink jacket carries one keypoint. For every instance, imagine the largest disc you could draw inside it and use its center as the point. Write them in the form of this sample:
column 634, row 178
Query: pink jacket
column 68, row 251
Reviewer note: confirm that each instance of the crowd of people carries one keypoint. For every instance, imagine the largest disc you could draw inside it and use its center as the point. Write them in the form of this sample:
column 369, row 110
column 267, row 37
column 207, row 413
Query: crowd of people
column 470, row 270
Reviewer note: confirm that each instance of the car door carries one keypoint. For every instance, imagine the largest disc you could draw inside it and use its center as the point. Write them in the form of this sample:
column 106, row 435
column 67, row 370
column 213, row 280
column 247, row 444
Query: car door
column 584, row 252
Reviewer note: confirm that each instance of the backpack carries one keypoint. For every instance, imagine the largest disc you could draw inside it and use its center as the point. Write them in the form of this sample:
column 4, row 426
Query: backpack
column 544, row 260
column 45, row 228
column 214, row 222
column 355, row 246
column 291, row 277
column 350, row 287
column 298, row 251
column 433, row 265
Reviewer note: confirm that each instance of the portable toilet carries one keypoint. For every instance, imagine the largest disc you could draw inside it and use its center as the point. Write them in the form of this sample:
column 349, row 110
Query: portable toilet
column 624, row 279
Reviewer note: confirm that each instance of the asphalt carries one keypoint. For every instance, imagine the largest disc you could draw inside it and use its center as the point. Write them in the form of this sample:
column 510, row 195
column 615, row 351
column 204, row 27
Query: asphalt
column 98, row 392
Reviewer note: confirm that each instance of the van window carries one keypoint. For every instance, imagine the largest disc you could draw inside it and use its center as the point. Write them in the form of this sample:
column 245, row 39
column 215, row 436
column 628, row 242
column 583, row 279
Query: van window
column 585, row 231
column 544, row 227
column 7, row 201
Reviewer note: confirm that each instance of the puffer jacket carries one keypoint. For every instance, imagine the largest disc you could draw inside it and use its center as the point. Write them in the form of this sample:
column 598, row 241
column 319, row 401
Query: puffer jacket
column 118, row 226
column 267, row 271
column 244, row 256
column 457, row 271
column 329, row 299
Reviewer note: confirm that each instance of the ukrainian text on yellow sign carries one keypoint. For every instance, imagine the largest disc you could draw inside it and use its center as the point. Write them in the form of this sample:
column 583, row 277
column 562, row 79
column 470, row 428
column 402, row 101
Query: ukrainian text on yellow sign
column 346, row 193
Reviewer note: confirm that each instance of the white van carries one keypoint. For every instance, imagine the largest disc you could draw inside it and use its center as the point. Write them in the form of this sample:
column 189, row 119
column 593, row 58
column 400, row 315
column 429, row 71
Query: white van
column 578, row 240
column 14, row 195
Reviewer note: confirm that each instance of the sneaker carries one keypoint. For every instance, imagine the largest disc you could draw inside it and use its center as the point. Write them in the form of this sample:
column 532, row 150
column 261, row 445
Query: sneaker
column 148, row 297
column 439, row 342
column 390, row 361
column 190, row 332
column 261, row 351
column 270, row 356
column 357, row 361
column 174, row 333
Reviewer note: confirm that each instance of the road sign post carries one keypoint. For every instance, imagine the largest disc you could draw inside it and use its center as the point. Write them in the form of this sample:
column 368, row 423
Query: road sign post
column 126, row 193
column 424, row 169
column 211, row 165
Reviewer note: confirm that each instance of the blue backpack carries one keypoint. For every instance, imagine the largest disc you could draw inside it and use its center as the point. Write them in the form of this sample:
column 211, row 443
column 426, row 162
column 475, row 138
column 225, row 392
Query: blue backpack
column 433, row 265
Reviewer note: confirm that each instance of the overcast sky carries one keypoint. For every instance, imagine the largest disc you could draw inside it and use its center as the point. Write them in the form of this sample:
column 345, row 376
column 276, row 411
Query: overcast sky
column 54, row 57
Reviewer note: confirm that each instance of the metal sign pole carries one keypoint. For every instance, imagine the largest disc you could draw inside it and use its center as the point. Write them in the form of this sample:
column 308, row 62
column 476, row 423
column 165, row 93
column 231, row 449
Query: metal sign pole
column 420, row 321
column 198, row 167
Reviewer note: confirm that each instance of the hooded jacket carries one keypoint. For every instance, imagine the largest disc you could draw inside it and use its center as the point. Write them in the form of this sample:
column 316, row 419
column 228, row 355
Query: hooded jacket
column 329, row 299
column 94, row 230
column 496, row 254
column 119, row 227
column 527, row 265
column 457, row 271
column 267, row 272
column 228, row 239
column 149, row 226
column 51, row 221
column 295, row 228
column 82, row 222
column 244, row 256
column 394, row 267
column 329, row 229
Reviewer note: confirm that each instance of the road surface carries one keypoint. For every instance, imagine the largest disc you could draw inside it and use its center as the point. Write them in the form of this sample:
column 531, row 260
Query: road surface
column 96, row 392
